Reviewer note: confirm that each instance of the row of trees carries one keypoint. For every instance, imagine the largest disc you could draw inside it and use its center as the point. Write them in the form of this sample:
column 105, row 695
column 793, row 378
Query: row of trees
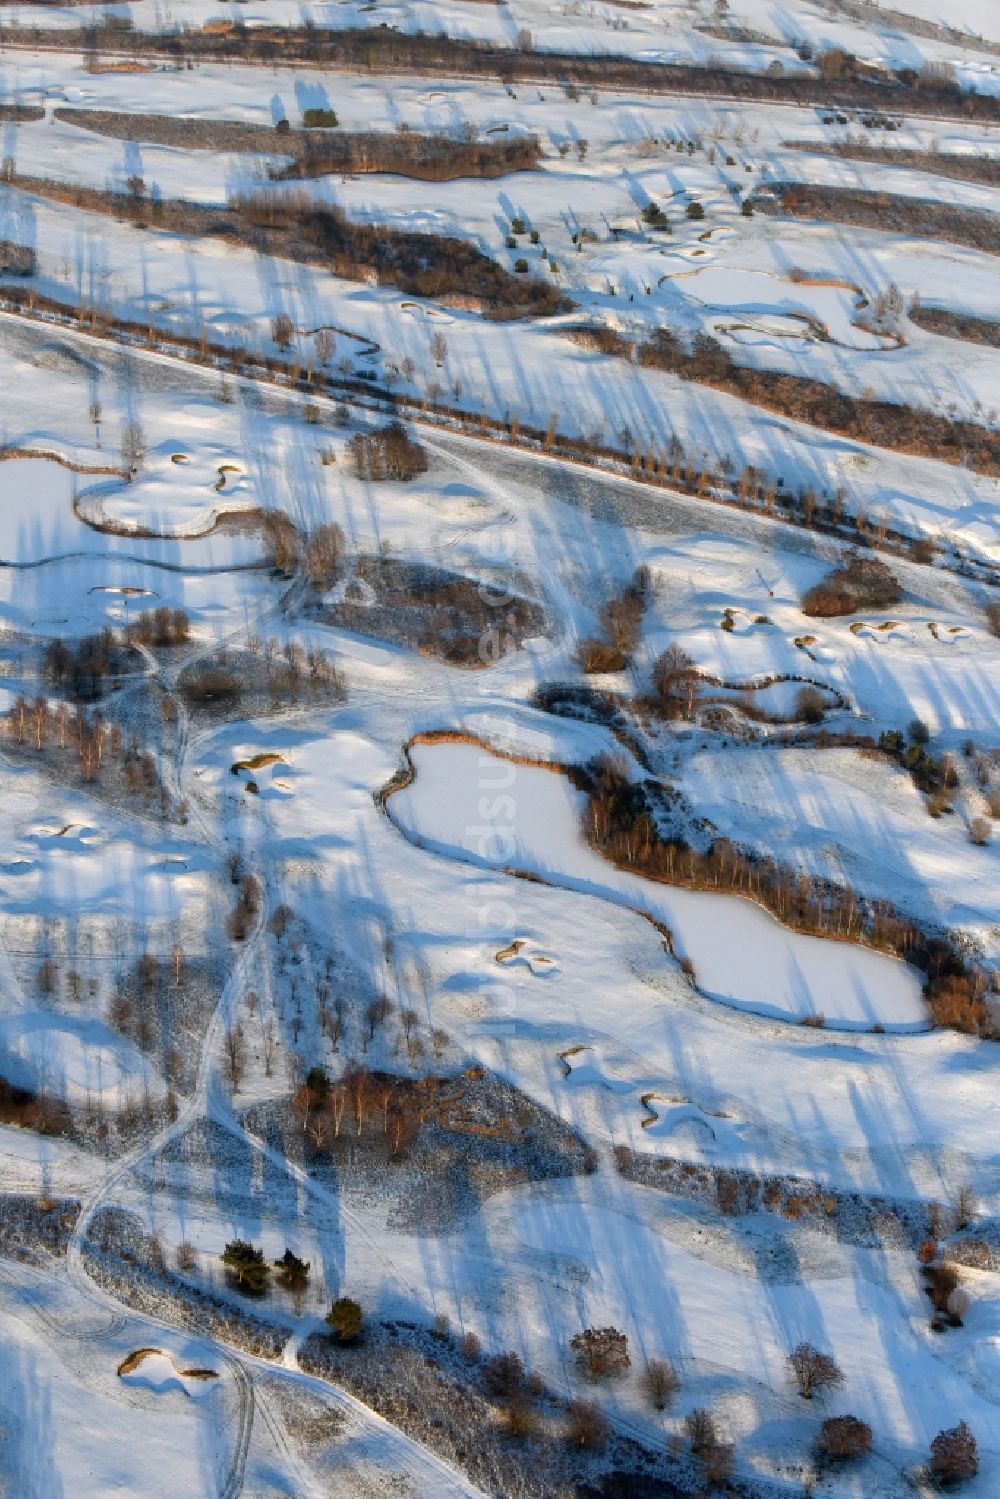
column 161, row 627
column 318, row 553
column 602, row 1353
column 867, row 418
column 87, row 740
column 381, row 1103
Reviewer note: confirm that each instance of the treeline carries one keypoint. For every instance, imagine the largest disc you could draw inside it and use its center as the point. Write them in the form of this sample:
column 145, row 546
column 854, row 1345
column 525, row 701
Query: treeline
column 926, row 218
column 384, row 49
column 952, row 164
column 294, row 227
column 882, row 423
column 619, row 822
column 407, row 153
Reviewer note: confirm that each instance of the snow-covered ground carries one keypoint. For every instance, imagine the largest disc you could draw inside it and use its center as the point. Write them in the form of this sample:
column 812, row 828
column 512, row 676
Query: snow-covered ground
column 174, row 1010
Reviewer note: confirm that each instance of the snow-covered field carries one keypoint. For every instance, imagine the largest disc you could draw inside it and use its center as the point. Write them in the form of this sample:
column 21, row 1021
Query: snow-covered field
column 271, row 886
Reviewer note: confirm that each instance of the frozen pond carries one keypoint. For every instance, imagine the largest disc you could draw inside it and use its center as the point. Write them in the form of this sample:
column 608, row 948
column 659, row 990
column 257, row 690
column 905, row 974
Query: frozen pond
column 470, row 804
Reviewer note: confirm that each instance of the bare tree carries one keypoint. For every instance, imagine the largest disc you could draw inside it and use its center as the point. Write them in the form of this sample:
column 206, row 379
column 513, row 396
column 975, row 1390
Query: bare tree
column 133, row 446
column 187, row 1257
column 282, row 330
column 503, row 1374
column 409, row 1018
column 283, row 547
column 676, row 682
column 586, row 1424
column 325, row 345
column 324, row 550
column 270, row 1046
column 661, row 1381
column 376, row 1015
column 700, row 1430
column 439, row 348
column 48, row 976
column 966, row 1207
column 813, row 1370
column 235, row 1056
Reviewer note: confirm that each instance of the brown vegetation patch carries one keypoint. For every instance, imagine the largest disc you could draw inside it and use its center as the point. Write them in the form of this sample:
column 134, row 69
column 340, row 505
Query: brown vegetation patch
column 463, row 621
column 924, row 218
column 862, row 582
column 13, row 450
column 855, row 1217
column 33, row 1227
column 621, row 825
column 428, row 158
column 387, row 452
column 952, row 164
column 950, row 324
column 406, row 153
column 35, row 1111
column 489, row 1417
column 133, row 1360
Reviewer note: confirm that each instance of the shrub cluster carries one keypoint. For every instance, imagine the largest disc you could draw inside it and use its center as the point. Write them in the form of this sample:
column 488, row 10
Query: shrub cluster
column 81, row 668
column 621, row 625
column 388, row 452
column 863, row 581
column 16, row 259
